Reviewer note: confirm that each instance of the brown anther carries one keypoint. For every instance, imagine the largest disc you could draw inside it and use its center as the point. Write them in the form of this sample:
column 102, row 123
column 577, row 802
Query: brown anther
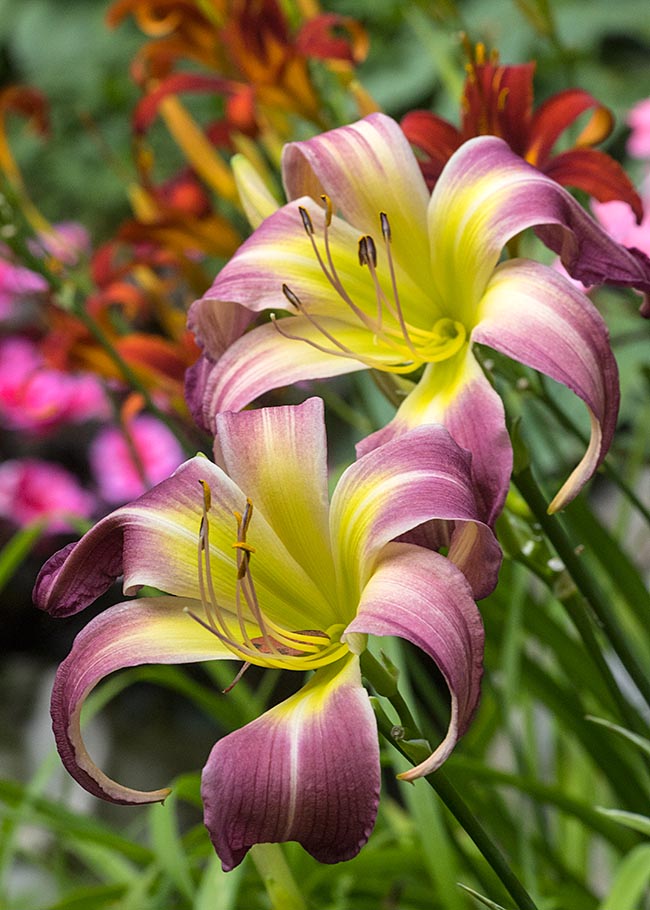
column 385, row 227
column 306, row 220
column 328, row 209
column 293, row 299
column 367, row 251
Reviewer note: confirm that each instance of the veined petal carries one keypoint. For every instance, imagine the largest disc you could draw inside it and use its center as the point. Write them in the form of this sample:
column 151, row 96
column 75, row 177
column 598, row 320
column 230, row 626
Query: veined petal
column 533, row 314
column 307, row 770
column 155, row 541
column 279, row 456
column 456, row 394
column 148, row 631
column 414, row 478
column 421, row 596
column 280, row 252
column 365, row 169
column 264, row 359
column 485, row 196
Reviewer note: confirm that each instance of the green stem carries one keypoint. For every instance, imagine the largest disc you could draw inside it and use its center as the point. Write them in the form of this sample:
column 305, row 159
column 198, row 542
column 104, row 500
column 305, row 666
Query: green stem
column 274, row 871
column 466, row 818
column 552, row 526
column 408, row 740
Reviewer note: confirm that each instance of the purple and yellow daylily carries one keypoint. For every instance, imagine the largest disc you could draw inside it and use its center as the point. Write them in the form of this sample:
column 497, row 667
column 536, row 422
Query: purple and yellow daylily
column 258, row 566
column 374, row 273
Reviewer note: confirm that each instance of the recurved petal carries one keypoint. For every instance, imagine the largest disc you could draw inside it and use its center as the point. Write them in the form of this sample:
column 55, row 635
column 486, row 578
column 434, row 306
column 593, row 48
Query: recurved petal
column 411, row 479
column 365, row 169
column 434, row 137
column 421, row 596
column 557, row 113
column 597, row 174
column 151, row 541
column 149, row 631
column 485, row 196
column 456, row 394
column 307, row 770
column 279, row 456
column 533, row 314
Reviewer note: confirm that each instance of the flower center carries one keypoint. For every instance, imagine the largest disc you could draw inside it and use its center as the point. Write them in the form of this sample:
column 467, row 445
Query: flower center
column 244, row 628
column 401, row 347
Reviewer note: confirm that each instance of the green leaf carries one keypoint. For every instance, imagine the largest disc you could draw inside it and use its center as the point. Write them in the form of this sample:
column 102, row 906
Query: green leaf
column 640, row 741
column 16, row 549
column 629, row 819
column 480, row 898
column 631, row 881
column 218, row 890
column 169, row 847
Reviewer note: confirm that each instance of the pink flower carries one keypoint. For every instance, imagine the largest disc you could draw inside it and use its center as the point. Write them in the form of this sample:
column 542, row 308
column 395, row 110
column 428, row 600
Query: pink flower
column 114, row 467
column 31, row 489
column 618, row 220
column 36, row 397
column 67, row 242
column 638, row 144
column 17, row 282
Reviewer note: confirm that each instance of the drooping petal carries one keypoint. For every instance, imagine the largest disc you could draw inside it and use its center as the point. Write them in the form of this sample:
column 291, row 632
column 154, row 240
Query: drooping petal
column 597, row 174
column 265, row 359
column 155, row 541
column 365, row 169
column 414, row 478
column 533, row 314
column 279, row 456
column 456, row 394
column 307, row 770
column 485, row 196
column 422, row 597
column 148, row 631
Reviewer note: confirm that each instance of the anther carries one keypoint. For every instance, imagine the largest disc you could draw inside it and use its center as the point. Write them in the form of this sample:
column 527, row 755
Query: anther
column 328, row 209
column 367, row 251
column 293, row 299
column 306, row 220
column 207, row 495
column 385, row 227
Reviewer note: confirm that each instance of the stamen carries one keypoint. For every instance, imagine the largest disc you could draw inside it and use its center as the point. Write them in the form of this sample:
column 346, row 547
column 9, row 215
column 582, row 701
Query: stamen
column 367, row 251
column 291, row 297
column 306, row 220
column 328, row 209
column 239, row 675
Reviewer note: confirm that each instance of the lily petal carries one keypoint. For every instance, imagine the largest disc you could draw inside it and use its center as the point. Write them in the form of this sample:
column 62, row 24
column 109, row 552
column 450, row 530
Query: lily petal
column 433, row 137
column 485, row 196
column 359, row 167
column 265, row 359
column 414, row 478
column 307, row 770
column 456, row 394
column 422, row 597
column 532, row 313
column 556, row 114
column 154, row 541
column 148, row 631
column 597, row 174
column 279, row 456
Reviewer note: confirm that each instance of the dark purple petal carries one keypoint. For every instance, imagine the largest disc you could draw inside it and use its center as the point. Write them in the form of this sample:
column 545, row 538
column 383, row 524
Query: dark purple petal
column 307, row 770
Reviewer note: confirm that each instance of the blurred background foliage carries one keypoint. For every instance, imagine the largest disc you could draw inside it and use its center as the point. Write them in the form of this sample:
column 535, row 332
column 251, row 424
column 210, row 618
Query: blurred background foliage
column 532, row 767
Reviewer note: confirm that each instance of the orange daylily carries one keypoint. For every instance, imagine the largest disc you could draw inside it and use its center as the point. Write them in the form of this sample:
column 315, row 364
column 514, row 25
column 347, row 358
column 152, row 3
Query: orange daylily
column 497, row 100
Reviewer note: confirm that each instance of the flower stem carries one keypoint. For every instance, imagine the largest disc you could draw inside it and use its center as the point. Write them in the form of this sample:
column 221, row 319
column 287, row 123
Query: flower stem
column 274, row 871
column 452, row 799
column 409, row 741
column 554, row 530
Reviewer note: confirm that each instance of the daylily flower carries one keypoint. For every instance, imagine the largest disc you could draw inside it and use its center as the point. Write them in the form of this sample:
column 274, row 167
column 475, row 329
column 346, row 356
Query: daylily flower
column 400, row 282
column 258, row 567
column 498, row 100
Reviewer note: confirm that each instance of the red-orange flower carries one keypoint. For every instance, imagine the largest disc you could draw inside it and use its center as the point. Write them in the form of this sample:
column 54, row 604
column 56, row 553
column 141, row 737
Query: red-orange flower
column 498, row 100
